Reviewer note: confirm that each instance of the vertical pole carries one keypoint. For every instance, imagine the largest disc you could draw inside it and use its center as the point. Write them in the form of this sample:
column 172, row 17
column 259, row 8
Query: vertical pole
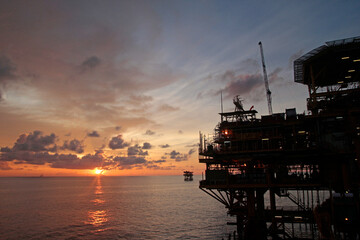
column 273, row 208
column 239, row 224
column 222, row 110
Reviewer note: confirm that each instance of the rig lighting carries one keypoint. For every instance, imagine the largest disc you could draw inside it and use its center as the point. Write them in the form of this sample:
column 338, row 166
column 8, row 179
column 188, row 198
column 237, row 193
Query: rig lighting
column 357, row 60
column 343, row 58
column 348, row 77
column 265, row 139
column 346, row 219
column 351, row 70
column 340, row 82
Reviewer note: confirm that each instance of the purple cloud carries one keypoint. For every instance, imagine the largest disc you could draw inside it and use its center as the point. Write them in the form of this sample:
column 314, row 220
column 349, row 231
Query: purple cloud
column 93, row 134
column 74, row 145
column 118, row 143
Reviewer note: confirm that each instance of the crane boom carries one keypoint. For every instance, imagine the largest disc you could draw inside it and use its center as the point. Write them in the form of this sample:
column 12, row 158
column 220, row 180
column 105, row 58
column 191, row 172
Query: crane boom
column 268, row 92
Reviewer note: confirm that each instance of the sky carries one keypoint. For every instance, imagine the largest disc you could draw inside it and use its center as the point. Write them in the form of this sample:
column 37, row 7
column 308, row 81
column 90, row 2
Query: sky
column 126, row 86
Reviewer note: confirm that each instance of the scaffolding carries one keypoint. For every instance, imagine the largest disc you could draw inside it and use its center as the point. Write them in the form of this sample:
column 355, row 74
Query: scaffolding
column 290, row 175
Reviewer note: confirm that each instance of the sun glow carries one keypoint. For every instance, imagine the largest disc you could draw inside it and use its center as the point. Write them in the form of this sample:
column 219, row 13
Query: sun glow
column 98, row 171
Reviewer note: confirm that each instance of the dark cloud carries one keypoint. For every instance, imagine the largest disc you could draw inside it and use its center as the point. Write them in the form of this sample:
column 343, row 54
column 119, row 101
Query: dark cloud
column 136, row 150
column 129, row 162
column 74, row 145
column 241, row 84
column 24, row 152
column 35, row 158
column 93, row 134
column 35, row 142
column 173, row 154
column 191, row 151
column 159, row 161
column 177, row 156
column 7, row 70
column 164, row 146
column 180, row 132
column 118, row 143
column 181, row 158
column 117, row 128
column 149, row 132
column 88, row 161
column 146, row 145
column 68, row 161
column 90, row 63
column 5, row 149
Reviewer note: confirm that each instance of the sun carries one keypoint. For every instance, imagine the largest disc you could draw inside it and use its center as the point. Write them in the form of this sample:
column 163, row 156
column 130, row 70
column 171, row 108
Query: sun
column 98, row 171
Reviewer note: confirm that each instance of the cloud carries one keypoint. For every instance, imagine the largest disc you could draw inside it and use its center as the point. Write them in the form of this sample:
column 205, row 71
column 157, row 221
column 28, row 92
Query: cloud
column 74, row 145
column 118, row 143
column 158, row 161
column 146, row 145
column 139, row 99
column 93, row 134
column 129, row 162
column 149, row 132
column 35, row 142
column 177, row 156
column 4, row 166
column 124, row 62
column 173, row 154
column 191, row 151
column 36, row 158
column 90, row 63
column 136, row 150
column 5, row 149
column 240, row 84
column 180, row 132
column 7, row 73
column 88, row 161
column 164, row 146
column 117, row 128
column 34, row 149
column 275, row 77
column 168, row 108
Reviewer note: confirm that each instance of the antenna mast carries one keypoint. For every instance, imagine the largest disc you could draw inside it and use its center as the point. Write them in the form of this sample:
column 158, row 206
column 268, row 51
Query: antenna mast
column 268, row 92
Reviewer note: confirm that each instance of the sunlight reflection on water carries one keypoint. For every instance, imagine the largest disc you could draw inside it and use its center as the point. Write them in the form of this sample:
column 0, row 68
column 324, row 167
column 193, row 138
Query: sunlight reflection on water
column 98, row 217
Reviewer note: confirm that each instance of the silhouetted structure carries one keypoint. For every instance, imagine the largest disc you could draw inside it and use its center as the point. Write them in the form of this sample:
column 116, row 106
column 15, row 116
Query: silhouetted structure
column 310, row 161
column 188, row 176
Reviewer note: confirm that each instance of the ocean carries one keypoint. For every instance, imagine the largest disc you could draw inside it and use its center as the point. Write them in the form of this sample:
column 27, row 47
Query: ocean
column 144, row 207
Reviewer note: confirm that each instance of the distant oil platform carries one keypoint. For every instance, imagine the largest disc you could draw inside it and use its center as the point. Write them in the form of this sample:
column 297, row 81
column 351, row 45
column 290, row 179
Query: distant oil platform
column 307, row 164
column 188, row 176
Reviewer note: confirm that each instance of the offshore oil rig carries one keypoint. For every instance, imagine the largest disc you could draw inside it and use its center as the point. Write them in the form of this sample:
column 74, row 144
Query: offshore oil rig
column 289, row 175
column 188, row 176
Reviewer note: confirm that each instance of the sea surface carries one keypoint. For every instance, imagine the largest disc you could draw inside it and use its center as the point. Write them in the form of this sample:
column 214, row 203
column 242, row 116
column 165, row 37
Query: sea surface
column 156, row 207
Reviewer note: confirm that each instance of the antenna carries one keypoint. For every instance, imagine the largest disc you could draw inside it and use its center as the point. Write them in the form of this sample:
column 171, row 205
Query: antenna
column 268, row 92
column 222, row 110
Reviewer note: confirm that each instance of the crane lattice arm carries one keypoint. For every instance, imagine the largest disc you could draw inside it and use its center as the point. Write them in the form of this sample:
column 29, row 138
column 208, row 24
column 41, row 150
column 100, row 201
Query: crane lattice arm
column 268, row 92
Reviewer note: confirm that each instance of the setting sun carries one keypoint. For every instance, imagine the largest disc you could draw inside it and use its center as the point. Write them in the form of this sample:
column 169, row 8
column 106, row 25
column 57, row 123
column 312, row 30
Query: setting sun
column 98, row 171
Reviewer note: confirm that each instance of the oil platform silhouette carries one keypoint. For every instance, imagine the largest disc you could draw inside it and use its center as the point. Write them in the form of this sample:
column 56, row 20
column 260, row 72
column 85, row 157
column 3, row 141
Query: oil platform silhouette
column 289, row 175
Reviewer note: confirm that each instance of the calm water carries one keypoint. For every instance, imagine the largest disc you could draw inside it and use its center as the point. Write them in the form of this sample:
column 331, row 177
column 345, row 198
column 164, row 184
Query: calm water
column 163, row 207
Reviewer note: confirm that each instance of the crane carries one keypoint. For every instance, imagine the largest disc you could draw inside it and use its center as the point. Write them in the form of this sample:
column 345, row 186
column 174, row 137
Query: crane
column 268, row 92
